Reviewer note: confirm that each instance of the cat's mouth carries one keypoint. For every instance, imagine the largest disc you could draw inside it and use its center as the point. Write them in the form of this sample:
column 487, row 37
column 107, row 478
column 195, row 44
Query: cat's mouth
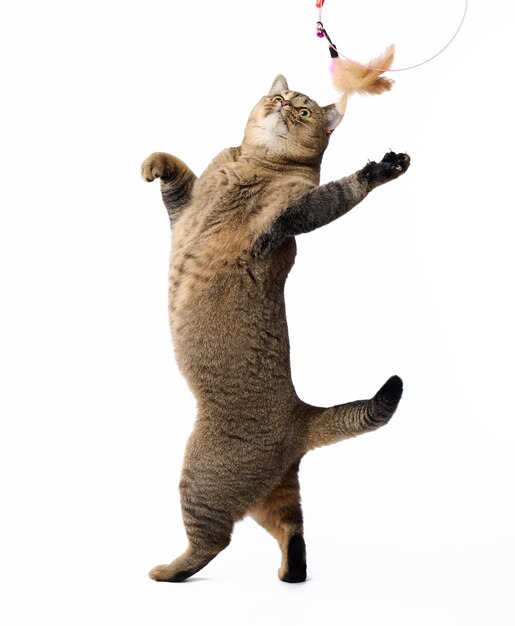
column 278, row 118
column 285, row 117
column 288, row 116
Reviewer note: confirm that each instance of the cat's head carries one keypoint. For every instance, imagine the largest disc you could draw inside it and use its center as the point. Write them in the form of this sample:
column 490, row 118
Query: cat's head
column 288, row 126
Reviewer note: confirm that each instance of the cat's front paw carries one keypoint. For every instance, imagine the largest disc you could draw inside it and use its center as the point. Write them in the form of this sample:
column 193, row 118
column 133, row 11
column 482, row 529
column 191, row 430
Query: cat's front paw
column 390, row 167
column 158, row 165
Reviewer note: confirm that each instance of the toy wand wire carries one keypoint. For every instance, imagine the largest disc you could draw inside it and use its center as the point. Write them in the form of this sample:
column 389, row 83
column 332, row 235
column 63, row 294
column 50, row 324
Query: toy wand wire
column 321, row 32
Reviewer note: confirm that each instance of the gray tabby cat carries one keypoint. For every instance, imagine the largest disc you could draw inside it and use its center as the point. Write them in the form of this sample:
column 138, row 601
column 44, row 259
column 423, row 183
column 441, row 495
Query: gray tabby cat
column 233, row 245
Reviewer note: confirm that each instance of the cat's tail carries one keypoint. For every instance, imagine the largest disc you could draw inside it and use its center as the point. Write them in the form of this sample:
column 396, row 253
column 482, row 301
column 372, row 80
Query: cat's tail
column 326, row 426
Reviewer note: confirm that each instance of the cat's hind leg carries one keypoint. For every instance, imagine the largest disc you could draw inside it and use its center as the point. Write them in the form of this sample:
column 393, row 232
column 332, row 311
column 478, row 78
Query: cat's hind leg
column 184, row 566
column 281, row 515
column 327, row 426
column 208, row 521
column 206, row 540
column 221, row 479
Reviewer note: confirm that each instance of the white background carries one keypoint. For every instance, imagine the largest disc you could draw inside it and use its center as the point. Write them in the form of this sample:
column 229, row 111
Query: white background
column 411, row 525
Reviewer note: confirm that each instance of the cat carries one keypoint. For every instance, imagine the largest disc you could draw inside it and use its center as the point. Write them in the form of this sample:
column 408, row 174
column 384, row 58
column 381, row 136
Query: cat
column 233, row 244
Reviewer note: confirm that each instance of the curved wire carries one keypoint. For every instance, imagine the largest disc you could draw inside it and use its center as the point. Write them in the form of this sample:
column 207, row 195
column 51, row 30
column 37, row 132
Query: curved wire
column 398, row 69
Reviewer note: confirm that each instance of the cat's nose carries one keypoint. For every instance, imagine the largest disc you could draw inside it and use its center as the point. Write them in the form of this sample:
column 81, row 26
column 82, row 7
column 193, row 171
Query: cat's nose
column 285, row 103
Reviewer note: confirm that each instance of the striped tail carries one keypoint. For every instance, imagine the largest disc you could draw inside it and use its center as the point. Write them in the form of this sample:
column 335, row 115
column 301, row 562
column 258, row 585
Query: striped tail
column 327, row 426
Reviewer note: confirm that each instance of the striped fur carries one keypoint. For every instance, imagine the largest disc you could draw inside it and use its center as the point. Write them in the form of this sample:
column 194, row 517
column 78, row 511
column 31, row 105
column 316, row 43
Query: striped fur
column 233, row 244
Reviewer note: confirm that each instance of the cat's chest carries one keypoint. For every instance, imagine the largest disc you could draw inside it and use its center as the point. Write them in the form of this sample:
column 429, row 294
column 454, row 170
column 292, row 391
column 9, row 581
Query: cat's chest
column 205, row 280
column 231, row 207
column 239, row 190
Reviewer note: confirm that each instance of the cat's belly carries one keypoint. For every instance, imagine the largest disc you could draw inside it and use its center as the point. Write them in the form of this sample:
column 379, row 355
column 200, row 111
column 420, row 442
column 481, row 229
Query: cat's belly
column 231, row 339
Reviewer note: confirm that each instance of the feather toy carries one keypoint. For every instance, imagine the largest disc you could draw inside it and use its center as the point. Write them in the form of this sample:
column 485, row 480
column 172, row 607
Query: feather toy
column 350, row 77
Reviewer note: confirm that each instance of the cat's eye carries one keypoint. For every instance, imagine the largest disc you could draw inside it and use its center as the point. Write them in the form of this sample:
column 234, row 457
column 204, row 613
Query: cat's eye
column 277, row 99
column 305, row 113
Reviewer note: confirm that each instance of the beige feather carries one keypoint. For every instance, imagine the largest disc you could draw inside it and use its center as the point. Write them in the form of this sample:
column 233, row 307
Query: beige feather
column 350, row 77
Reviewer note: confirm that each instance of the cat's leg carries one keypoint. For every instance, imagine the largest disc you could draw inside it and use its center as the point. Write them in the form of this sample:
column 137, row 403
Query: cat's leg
column 177, row 181
column 222, row 477
column 281, row 515
column 321, row 205
column 208, row 518
column 190, row 562
column 327, row 426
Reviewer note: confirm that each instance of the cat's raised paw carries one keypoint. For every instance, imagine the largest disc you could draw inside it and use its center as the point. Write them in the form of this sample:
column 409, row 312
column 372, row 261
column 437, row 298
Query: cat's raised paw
column 158, row 165
column 390, row 167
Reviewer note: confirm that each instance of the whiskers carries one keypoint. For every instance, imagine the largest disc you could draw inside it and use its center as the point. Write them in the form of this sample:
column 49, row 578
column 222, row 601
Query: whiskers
column 289, row 116
column 298, row 121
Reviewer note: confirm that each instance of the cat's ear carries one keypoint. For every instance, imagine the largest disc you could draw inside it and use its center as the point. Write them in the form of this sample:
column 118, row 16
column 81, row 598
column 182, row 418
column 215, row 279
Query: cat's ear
column 332, row 117
column 278, row 85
